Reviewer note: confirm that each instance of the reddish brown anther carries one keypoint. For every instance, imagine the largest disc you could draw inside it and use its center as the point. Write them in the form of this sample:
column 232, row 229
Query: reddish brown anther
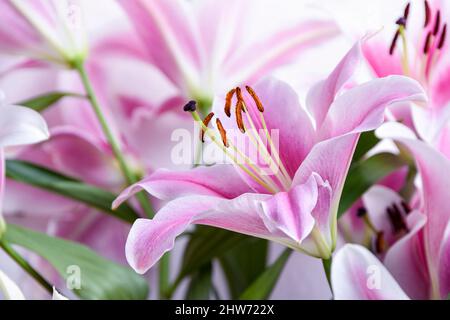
column 442, row 38
column 437, row 23
column 406, row 12
column 239, row 94
column 222, row 131
column 426, row 46
column 228, row 99
column 205, row 123
column 258, row 102
column 427, row 13
column 239, row 121
column 394, row 43
column 380, row 243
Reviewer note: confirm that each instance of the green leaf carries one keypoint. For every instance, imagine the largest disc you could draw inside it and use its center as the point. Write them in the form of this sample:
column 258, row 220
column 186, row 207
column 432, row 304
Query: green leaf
column 243, row 264
column 364, row 174
column 69, row 187
column 366, row 142
column 200, row 285
column 206, row 244
column 40, row 103
column 100, row 278
column 262, row 287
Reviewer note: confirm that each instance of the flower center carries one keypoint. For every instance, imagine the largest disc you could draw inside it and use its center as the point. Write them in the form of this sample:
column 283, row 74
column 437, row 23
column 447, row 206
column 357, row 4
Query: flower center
column 430, row 43
column 251, row 147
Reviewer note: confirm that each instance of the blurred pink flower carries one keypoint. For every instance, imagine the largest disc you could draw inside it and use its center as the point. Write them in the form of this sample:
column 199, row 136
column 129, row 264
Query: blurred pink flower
column 418, row 48
column 204, row 47
column 294, row 204
column 418, row 238
column 48, row 30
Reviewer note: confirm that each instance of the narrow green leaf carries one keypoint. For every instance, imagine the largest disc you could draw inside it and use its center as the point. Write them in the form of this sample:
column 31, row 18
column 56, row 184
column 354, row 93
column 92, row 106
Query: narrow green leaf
column 366, row 142
column 243, row 264
column 200, row 285
column 262, row 287
column 99, row 278
column 69, row 187
column 206, row 244
column 364, row 174
column 42, row 102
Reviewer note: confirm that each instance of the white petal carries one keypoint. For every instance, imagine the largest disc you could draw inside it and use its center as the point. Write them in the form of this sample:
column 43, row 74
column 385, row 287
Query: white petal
column 21, row 125
column 9, row 289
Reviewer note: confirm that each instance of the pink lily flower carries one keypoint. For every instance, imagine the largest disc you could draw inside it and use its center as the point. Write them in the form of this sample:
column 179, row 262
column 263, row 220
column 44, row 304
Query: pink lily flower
column 419, row 49
column 205, row 47
column 417, row 237
column 295, row 203
column 47, row 30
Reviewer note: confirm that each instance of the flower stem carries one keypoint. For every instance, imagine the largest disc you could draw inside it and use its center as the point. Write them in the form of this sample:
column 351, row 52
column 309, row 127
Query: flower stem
column 26, row 266
column 327, row 268
column 129, row 176
column 164, row 284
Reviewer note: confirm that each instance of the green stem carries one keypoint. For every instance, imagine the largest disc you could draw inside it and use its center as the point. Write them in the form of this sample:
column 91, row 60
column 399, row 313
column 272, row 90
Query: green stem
column 26, row 266
column 327, row 268
column 164, row 284
column 129, row 176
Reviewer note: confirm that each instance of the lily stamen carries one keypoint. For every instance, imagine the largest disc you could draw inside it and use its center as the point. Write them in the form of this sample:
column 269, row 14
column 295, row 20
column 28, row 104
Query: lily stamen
column 205, row 124
column 228, row 99
column 222, row 132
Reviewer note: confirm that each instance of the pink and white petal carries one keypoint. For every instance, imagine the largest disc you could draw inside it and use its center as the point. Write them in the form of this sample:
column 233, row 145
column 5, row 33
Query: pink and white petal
column 429, row 123
column 21, row 125
column 444, row 265
column 290, row 212
column 332, row 173
column 322, row 95
column 9, row 289
column 434, row 171
column 356, row 274
column 82, row 156
column 219, row 180
column 406, row 259
column 170, row 31
column 277, row 49
column 383, row 64
column 150, row 239
column 362, row 108
column 283, row 112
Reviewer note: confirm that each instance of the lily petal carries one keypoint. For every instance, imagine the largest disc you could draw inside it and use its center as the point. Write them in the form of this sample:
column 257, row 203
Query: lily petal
column 332, row 174
column 20, row 125
column 356, row 274
column 278, row 49
column 406, row 259
column 290, row 212
column 168, row 29
column 322, row 95
column 9, row 289
column 150, row 239
column 219, row 180
column 362, row 108
column 434, row 170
